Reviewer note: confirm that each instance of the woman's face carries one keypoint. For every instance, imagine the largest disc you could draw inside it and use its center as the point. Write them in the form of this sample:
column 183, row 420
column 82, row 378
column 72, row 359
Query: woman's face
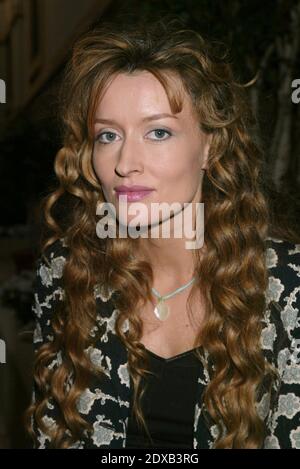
column 133, row 147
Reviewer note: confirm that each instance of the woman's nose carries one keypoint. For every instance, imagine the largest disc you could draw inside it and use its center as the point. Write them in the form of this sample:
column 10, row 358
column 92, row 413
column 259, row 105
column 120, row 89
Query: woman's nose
column 130, row 157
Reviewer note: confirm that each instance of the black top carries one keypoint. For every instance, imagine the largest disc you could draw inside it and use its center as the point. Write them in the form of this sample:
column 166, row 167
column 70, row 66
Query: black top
column 168, row 403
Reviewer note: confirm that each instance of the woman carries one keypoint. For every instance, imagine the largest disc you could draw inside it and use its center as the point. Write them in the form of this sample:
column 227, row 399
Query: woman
column 140, row 340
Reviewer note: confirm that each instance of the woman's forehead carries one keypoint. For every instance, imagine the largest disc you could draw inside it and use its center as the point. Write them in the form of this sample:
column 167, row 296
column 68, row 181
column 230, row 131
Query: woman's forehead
column 141, row 94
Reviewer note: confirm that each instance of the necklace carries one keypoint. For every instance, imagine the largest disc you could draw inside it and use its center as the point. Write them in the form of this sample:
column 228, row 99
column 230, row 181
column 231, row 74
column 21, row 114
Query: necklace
column 162, row 311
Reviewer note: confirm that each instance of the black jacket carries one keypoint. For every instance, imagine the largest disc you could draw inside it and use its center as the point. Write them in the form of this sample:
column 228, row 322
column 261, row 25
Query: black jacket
column 106, row 405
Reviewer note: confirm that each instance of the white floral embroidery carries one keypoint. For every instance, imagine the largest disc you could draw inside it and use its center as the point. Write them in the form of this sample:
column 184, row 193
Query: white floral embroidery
column 289, row 405
column 295, row 250
column 54, row 271
column 215, row 434
column 283, row 358
column 214, row 431
column 295, row 438
column 124, row 374
column 37, row 334
column 123, row 403
column 56, row 361
column 46, row 275
column 296, row 268
column 86, row 401
column 49, row 405
column 196, row 416
column 102, row 434
column 49, row 422
column 42, row 439
column 110, row 324
column 39, row 305
column 271, row 258
column 289, row 317
column 275, row 289
column 263, row 407
column 291, row 374
column 271, row 442
column 88, row 398
column 99, row 360
column 57, row 265
column 268, row 336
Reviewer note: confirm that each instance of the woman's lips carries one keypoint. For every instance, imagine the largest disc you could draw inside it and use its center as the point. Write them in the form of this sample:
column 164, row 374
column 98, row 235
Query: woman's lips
column 134, row 195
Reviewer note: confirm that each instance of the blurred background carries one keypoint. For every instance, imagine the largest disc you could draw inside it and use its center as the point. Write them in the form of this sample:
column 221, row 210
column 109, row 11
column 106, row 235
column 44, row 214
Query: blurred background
column 36, row 38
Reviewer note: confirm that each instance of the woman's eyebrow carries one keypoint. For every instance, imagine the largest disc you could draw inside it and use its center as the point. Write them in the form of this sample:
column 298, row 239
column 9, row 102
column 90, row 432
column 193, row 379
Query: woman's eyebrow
column 144, row 119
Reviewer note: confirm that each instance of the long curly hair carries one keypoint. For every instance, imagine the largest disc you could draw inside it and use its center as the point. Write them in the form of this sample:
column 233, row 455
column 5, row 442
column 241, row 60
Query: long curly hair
column 231, row 272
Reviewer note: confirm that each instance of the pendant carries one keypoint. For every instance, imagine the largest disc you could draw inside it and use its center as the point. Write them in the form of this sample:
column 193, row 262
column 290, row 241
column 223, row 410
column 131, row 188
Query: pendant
column 162, row 310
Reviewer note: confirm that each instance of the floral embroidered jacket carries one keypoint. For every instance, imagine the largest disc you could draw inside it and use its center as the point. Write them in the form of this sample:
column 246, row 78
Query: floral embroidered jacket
column 106, row 406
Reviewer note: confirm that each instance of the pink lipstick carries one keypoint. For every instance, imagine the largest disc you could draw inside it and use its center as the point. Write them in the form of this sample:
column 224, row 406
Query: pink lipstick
column 133, row 193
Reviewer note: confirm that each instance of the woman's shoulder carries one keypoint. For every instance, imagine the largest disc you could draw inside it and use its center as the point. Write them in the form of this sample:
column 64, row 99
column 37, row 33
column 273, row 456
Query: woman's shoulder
column 283, row 293
column 49, row 280
column 58, row 249
column 281, row 251
column 283, row 263
column 281, row 341
column 50, row 263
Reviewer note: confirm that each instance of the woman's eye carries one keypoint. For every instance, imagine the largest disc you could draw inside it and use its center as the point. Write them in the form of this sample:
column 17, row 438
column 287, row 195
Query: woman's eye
column 159, row 133
column 109, row 134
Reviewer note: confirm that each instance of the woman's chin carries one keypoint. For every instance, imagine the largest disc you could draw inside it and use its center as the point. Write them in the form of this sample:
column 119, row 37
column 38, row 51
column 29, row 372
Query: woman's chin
column 137, row 226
